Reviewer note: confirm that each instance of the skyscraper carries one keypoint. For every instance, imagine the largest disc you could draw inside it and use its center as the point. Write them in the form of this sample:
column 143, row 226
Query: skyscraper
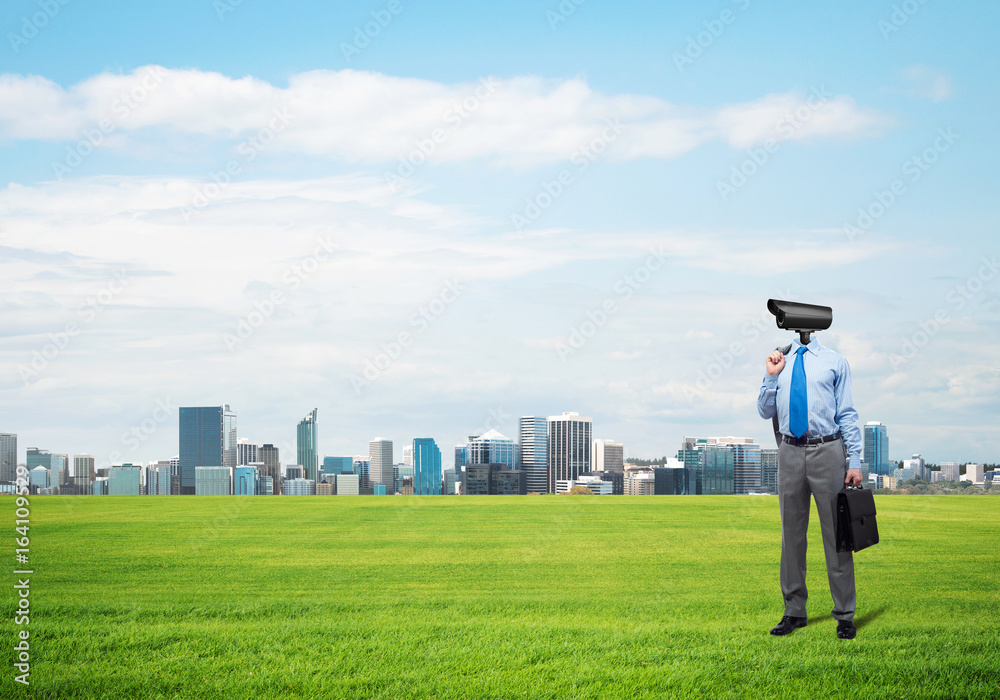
column 876, row 453
column 746, row 462
column 569, row 447
column 769, row 469
column 8, row 457
column 158, row 476
column 426, row 467
column 307, row 454
column 380, row 462
column 609, row 456
column 338, row 465
column 246, row 452
column 207, row 439
column 534, row 457
column 711, row 466
column 270, row 470
column 125, row 480
column 492, row 447
column 83, row 473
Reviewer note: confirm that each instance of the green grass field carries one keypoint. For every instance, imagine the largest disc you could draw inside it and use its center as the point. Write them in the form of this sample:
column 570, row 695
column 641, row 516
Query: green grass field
column 494, row 597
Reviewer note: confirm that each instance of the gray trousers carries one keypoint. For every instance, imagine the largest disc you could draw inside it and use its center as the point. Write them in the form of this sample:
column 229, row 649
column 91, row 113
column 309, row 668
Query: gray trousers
column 818, row 470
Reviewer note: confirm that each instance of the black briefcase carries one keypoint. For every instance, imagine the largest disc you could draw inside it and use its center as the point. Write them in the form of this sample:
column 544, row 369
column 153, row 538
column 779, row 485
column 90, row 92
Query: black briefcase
column 856, row 526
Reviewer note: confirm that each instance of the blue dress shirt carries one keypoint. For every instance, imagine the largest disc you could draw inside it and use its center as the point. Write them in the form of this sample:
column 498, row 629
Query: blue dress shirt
column 828, row 387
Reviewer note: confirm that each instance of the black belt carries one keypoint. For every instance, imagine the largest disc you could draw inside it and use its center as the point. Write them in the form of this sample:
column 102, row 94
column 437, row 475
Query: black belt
column 799, row 442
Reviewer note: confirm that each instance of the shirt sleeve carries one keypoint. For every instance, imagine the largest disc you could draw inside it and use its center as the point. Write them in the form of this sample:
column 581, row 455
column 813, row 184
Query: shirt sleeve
column 767, row 404
column 847, row 417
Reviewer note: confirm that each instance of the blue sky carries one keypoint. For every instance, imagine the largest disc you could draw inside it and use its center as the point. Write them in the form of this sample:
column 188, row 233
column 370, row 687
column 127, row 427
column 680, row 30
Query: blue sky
column 488, row 180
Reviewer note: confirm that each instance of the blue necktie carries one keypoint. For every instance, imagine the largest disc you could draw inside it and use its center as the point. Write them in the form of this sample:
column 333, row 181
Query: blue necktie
column 798, row 402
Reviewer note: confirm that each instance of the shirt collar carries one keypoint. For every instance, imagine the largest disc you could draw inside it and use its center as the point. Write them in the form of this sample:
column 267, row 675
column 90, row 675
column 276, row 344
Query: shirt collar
column 814, row 346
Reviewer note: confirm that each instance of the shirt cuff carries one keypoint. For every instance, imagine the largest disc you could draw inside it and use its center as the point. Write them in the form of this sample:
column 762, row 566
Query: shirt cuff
column 854, row 462
column 770, row 380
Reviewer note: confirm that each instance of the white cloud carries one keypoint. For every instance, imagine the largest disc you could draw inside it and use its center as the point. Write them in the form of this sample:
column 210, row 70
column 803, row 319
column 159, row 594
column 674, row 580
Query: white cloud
column 358, row 116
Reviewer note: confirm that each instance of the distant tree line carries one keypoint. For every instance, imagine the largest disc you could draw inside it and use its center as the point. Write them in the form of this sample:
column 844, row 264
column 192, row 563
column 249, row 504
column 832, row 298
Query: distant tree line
column 919, row 486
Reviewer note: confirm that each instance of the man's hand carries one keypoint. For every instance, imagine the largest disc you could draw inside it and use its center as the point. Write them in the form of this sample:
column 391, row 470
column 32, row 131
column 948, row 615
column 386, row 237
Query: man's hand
column 775, row 363
column 853, row 477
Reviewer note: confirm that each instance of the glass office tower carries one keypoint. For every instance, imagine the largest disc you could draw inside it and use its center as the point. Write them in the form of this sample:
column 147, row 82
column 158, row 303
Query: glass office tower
column 426, row 467
column 307, row 455
column 207, row 439
column 492, row 447
column 876, row 450
column 534, row 448
column 570, row 439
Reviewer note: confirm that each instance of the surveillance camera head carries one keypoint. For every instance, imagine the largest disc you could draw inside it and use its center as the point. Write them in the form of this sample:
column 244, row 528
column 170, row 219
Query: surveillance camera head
column 801, row 318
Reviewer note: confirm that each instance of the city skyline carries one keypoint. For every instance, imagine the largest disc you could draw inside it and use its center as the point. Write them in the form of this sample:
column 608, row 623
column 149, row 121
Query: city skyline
column 479, row 210
column 291, row 446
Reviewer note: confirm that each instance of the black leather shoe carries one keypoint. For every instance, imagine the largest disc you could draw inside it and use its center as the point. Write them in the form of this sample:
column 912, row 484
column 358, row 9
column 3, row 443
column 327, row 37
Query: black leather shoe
column 787, row 625
column 846, row 629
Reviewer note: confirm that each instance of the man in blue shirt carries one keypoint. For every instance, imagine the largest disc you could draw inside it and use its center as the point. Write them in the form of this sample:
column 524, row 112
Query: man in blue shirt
column 819, row 454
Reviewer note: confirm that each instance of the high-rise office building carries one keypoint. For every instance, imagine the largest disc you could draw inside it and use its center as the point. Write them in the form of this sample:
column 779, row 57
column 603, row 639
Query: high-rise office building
column 769, row 469
column 570, row 437
column 347, row 484
column 361, row 468
column 380, row 462
column 269, row 470
column 950, row 471
column 207, row 439
column 300, row 487
column 713, row 466
column 40, row 478
column 338, row 465
column 408, row 455
column 492, row 447
column 8, row 457
column 460, row 460
column 43, row 458
column 125, row 480
column 876, row 449
column 213, row 481
column 246, row 481
column 746, row 462
column 83, row 473
column 609, row 456
column 246, row 452
column 307, row 454
column 534, row 453
column 640, row 483
column 426, row 467
column 917, row 464
column 158, row 478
